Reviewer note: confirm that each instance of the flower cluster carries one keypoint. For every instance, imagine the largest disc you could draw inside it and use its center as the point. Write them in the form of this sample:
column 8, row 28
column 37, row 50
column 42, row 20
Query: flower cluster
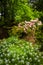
column 19, row 52
column 30, row 24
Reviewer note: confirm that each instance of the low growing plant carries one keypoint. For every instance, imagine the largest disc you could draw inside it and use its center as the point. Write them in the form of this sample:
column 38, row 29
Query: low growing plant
column 19, row 52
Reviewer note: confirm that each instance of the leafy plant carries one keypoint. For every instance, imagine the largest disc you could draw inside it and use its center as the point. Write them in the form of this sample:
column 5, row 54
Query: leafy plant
column 16, row 11
column 39, row 36
column 15, row 52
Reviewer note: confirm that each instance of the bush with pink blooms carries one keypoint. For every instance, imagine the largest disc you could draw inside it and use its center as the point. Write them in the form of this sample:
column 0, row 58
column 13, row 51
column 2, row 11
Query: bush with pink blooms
column 26, row 29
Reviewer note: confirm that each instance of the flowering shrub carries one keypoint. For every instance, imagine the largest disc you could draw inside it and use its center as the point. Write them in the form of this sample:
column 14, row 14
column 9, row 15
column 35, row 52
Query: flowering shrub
column 19, row 52
column 26, row 30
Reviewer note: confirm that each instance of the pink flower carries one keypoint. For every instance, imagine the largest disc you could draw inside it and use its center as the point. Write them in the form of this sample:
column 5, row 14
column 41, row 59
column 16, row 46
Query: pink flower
column 39, row 23
column 36, row 20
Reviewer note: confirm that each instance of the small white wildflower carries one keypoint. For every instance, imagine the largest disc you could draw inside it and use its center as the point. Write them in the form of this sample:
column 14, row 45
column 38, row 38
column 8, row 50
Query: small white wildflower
column 35, row 58
column 30, row 53
column 7, row 50
column 35, row 53
column 3, row 46
column 15, row 64
column 5, row 42
column 30, row 59
column 7, row 64
column 36, row 48
column 8, row 54
column 27, row 58
column 22, row 61
column 1, row 55
column 30, row 43
column 12, row 59
column 6, row 61
column 32, row 48
column 22, row 56
column 39, row 54
column 27, row 63
column 9, row 61
column 38, row 60
column 42, row 57
column 18, row 58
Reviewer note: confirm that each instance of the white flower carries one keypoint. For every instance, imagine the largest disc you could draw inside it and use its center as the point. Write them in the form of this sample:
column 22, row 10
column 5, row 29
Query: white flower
column 27, row 58
column 15, row 64
column 31, row 43
column 3, row 46
column 7, row 64
column 30, row 53
column 9, row 61
column 27, row 63
column 30, row 59
column 7, row 50
column 23, row 57
column 42, row 57
column 35, row 58
column 6, row 61
column 22, row 61
column 0, row 14
column 1, row 55
column 35, row 53
column 38, row 60
column 8, row 54
column 18, row 58
column 39, row 54
column 32, row 48
column 5, row 42
column 13, row 59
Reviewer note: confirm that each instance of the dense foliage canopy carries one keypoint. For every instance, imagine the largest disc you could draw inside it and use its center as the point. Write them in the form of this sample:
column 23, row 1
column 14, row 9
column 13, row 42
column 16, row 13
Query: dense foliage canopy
column 16, row 11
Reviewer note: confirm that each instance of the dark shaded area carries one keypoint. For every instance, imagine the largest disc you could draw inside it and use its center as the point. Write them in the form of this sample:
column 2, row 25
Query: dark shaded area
column 3, row 33
column 22, row 35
